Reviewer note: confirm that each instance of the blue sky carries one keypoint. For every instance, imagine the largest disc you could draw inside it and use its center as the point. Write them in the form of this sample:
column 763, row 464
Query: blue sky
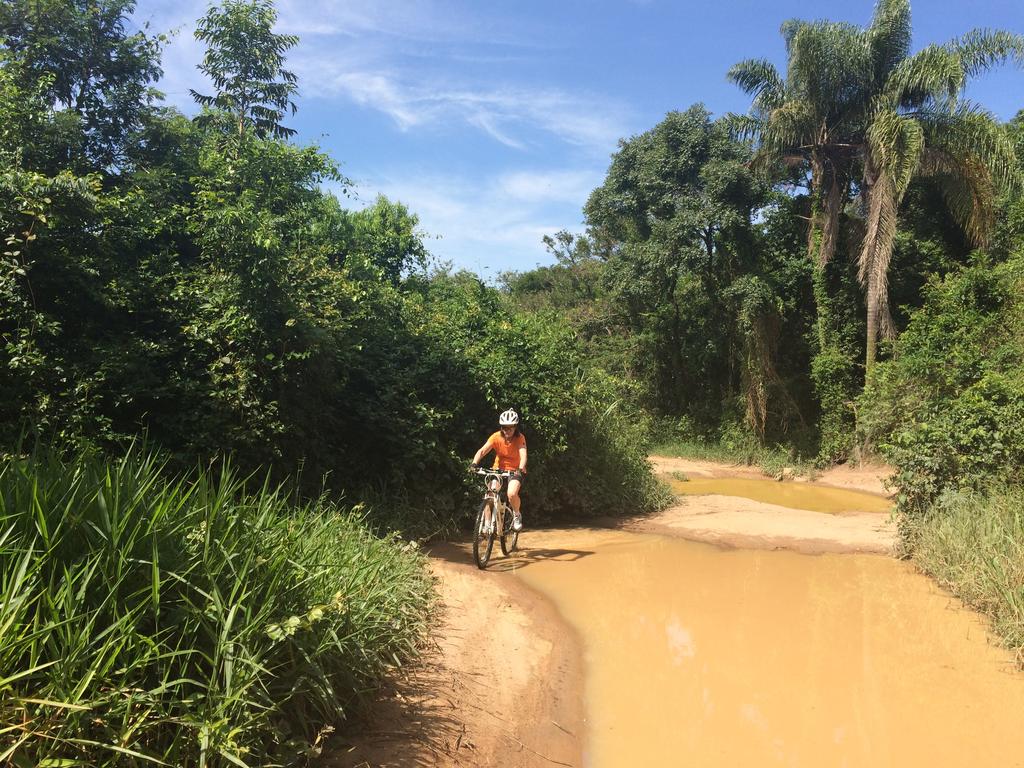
column 494, row 121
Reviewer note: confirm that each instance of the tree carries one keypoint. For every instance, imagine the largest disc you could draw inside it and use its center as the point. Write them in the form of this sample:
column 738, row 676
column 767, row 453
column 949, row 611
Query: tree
column 245, row 60
column 862, row 114
column 385, row 235
column 807, row 122
column 93, row 72
column 917, row 124
column 673, row 223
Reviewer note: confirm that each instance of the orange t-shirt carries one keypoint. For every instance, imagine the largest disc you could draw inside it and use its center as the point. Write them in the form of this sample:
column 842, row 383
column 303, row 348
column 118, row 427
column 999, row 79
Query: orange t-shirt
column 506, row 452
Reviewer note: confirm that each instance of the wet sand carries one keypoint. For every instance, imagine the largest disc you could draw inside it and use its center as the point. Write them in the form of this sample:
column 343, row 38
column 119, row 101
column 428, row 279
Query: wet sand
column 500, row 681
column 859, row 520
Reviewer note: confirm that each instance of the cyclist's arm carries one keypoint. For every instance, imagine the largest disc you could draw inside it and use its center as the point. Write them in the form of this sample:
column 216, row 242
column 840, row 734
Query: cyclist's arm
column 483, row 451
column 522, row 459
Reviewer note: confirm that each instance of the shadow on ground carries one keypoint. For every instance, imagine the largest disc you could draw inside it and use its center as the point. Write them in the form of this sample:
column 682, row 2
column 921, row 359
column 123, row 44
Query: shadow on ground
column 409, row 712
column 461, row 553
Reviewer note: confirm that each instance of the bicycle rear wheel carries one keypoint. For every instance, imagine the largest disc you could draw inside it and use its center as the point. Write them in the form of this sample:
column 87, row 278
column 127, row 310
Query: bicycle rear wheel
column 483, row 541
column 509, row 535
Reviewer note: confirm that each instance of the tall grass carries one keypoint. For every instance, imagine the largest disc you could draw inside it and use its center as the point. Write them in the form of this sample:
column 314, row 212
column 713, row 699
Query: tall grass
column 189, row 622
column 973, row 544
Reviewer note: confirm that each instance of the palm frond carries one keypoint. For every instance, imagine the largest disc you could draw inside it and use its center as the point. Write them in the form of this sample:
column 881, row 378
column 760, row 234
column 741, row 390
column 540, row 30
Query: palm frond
column 971, row 157
column 969, row 195
column 972, row 132
column 896, row 143
column 743, row 127
column 759, row 78
column 789, row 29
column 876, row 252
column 827, row 65
column 793, row 124
column 889, row 37
column 982, row 49
column 932, row 76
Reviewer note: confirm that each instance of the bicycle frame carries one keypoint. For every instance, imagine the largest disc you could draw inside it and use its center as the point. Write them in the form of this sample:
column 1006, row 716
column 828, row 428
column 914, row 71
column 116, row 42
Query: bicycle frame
column 494, row 484
column 494, row 518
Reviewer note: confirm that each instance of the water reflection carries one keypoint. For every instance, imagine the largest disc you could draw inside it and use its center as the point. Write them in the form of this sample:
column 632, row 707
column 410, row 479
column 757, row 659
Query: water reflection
column 785, row 494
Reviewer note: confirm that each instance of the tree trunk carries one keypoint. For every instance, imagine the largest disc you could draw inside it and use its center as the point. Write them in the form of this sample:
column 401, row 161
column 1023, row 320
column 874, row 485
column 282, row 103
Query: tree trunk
column 872, row 331
column 881, row 201
column 831, row 367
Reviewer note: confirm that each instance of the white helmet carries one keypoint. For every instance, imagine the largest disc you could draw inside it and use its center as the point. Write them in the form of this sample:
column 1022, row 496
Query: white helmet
column 508, row 419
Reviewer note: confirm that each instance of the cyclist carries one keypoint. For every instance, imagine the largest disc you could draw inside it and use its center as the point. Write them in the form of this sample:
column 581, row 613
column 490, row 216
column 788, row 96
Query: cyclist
column 509, row 446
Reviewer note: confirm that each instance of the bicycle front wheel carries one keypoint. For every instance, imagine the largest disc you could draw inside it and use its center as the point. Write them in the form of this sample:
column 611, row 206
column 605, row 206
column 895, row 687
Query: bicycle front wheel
column 483, row 534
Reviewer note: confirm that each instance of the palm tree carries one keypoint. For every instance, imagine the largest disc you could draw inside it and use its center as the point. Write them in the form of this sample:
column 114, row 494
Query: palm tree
column 808, row 119
column 811, row 120
column 916, row 124
column 857, row 109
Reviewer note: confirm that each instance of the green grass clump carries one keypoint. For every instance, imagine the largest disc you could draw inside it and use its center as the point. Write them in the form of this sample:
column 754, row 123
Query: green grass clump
column 187, row 622
column 973, row 544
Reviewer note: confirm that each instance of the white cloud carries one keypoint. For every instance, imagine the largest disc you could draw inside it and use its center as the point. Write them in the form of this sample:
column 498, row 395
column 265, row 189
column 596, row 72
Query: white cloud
column 378, row 91
column 506, row 114
column 421, row 20
column 563, row 186
column 493, row 224
column 430, row 66
column 373, row 55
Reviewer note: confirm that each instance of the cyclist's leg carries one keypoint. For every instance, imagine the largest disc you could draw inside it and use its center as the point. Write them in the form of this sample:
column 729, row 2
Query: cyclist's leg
column 514, row 484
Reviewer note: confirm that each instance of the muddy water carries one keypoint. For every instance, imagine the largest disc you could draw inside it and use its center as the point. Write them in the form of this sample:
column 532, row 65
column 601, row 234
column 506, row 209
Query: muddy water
column 697, row 656
column 787, row 494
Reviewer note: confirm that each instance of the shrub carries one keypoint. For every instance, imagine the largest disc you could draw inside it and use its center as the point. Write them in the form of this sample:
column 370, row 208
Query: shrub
column 948, row 409
column 587, row 450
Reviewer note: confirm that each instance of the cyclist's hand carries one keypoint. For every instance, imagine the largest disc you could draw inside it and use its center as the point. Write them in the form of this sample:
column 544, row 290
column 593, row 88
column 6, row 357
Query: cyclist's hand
column 473, row 467
column 518, row 473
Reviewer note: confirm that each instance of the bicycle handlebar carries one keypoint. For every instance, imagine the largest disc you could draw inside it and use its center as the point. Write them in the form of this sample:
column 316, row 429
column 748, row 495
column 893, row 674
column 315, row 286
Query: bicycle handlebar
column 501, row 472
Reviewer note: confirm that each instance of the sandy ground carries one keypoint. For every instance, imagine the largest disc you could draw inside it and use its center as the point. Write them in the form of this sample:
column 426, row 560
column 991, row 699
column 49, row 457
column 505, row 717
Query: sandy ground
column 501, row 682
column 739, row 522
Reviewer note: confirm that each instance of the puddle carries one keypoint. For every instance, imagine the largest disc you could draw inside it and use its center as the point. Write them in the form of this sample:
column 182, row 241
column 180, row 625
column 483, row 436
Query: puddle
column 785, row 494
column 707, row 657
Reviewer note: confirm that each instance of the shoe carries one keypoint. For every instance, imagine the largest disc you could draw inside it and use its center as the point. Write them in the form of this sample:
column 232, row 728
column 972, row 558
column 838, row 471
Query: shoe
column 517, row 521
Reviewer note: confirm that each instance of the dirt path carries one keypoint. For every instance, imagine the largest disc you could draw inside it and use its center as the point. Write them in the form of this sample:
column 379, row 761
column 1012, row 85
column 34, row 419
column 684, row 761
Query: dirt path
column 502, row 681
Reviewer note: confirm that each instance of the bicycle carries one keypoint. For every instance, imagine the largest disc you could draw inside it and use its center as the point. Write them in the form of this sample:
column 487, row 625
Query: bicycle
column 494, row 505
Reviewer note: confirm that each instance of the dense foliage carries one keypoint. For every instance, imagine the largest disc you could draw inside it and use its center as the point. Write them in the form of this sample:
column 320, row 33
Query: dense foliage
column 948, row 409
column 677, row 291
column 187, row 620
column 206, row 290
column 193, row 281
column 743, row 287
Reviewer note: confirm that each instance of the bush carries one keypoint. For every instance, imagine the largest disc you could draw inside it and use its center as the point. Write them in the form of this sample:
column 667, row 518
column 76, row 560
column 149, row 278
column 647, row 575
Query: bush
column 948, row 409
column 587, row 452
column 191, row 621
